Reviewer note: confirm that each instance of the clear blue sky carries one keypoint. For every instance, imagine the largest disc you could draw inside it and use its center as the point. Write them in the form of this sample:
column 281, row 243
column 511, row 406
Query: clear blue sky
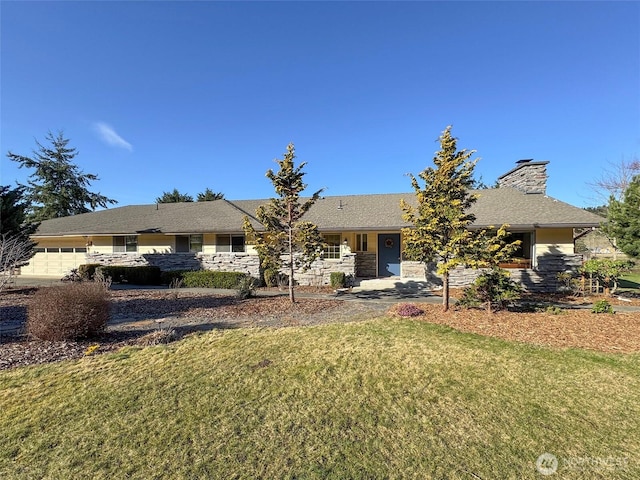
column 190, row 95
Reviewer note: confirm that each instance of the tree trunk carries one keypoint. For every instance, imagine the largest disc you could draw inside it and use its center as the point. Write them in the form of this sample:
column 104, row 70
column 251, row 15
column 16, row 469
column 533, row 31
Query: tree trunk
column 445, row 291
column 291, row 294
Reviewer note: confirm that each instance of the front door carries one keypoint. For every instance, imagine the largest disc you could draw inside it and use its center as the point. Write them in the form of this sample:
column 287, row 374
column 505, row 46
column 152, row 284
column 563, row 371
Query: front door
column 389, row 255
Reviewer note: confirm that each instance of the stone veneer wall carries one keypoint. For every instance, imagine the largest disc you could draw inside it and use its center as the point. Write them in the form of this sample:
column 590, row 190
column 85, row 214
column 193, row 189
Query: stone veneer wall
column 541, row 279
column 225, row 262
column 318, row 274
column 366, row 265
column 320, row 271
column 528, row 178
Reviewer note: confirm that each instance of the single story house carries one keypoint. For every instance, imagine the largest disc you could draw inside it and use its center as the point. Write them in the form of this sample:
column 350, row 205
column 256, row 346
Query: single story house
column 362, row 232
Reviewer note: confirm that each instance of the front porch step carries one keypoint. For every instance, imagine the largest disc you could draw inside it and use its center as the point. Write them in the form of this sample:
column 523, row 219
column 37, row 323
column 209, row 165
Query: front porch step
column 414, row 285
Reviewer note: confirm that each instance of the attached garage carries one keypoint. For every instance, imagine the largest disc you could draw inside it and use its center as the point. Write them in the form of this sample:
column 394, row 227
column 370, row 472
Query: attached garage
column 56, row 257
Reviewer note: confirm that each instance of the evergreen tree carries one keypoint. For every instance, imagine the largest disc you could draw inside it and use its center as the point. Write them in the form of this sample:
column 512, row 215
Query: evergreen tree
column 208, row 195
column 287, row 241
column 57, row 188
column 441, row 219
column 174, row 197
column 13, row 213
column 623, row 221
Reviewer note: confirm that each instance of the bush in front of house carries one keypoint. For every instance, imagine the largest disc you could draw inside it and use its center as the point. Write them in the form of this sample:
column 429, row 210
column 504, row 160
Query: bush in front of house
column 142, row 275
column 173, row 277
column 493, row 289
column 212, row 279
column 409, row 310
column 247, row 287
column 338, row 279
column 88, row 270
column 602, row 306
column 274, row 278
column 68, row 312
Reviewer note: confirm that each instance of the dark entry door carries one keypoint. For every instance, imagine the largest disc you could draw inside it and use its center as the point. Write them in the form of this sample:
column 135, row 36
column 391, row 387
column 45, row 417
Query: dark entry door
column 388, row 254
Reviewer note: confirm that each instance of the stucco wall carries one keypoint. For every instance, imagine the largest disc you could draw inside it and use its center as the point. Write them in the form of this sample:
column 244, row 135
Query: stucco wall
column 554, row 241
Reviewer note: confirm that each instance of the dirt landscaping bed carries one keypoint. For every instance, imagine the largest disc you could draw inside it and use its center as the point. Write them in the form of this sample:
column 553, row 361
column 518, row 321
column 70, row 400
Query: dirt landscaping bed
column 136, row 314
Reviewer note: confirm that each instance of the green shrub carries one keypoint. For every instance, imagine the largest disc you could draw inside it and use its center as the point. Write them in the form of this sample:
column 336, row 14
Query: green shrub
column 338, row 279
column 142, row 275
column 172, row 276
column 88, row 270
column 274, row 278
column 602, row 306
column 494, row 289
column 247, row 287
column 212, row 279
column 607, row 271
column 554, row 310
column 68, row 312
column 270, row 276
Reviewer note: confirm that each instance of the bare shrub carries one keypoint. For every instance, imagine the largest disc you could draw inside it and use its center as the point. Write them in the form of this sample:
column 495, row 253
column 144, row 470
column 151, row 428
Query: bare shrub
column 15, row 251
column 67, row 312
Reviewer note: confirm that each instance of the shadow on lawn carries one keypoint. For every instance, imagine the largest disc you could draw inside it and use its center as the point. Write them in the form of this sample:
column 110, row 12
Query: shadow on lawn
column 125, row 309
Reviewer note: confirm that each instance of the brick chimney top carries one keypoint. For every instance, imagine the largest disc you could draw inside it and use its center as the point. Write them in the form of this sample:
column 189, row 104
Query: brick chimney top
column 529, row 176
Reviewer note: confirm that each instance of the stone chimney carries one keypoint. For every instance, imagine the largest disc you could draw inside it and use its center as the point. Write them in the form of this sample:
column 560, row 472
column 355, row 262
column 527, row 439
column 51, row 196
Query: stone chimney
column 528, row 177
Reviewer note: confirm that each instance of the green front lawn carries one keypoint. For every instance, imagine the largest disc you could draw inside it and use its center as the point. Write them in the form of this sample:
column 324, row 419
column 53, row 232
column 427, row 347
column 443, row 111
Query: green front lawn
column 379, row 399
column 630, row 281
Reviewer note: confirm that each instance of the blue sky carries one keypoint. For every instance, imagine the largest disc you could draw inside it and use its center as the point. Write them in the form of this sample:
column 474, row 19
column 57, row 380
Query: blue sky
column 190, row 95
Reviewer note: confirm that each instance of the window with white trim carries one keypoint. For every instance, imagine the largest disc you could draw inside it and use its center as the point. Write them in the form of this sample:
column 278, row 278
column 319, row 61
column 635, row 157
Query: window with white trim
column 362, row 244
column 332, row 245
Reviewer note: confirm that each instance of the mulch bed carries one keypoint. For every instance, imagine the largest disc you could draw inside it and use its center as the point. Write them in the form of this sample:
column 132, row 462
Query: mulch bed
column 573, row 328
column 136, row 313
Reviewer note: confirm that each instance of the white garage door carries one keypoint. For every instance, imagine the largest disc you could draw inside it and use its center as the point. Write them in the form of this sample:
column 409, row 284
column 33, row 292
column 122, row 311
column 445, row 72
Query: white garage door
column 55, row 261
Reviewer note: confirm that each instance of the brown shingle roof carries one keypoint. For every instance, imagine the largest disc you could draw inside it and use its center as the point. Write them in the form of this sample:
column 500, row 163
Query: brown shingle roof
column 339, row 213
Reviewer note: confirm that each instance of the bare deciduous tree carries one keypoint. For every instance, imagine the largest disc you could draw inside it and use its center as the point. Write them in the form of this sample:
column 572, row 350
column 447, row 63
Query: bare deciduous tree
column 615, row 179
column 15, row 251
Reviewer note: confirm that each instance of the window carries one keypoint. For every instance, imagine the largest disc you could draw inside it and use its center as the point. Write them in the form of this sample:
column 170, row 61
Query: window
column 361, row 242
column 332, row 247
column 230, row 243
column 237, row 243
column 526, row 242
column 188, row 243
column 195, row 243
column 521, row 258
column 127, row 243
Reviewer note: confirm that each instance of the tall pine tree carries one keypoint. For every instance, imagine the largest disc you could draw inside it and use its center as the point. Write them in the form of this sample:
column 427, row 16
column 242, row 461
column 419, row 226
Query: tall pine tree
column 57, row 187
column 287, row 242
column 441, row 219
column 623, row 221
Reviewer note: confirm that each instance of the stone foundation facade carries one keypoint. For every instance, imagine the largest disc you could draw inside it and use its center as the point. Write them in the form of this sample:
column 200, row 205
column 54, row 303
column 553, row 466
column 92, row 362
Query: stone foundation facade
column 366, row 265
column 540, row 279
column 318, row 274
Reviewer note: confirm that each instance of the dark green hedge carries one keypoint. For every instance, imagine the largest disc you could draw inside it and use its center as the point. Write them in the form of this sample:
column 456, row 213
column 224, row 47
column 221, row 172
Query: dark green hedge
column 143, row 275
column 204, row 278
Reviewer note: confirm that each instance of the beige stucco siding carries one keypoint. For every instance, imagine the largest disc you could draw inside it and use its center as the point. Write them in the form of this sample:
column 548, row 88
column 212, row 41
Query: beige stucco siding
column 156, row 243
column 60, row 255
column 554, row 241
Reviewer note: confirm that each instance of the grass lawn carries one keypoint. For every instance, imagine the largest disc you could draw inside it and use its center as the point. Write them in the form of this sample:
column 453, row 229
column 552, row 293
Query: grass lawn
column 378, row 399
column 630, row 281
